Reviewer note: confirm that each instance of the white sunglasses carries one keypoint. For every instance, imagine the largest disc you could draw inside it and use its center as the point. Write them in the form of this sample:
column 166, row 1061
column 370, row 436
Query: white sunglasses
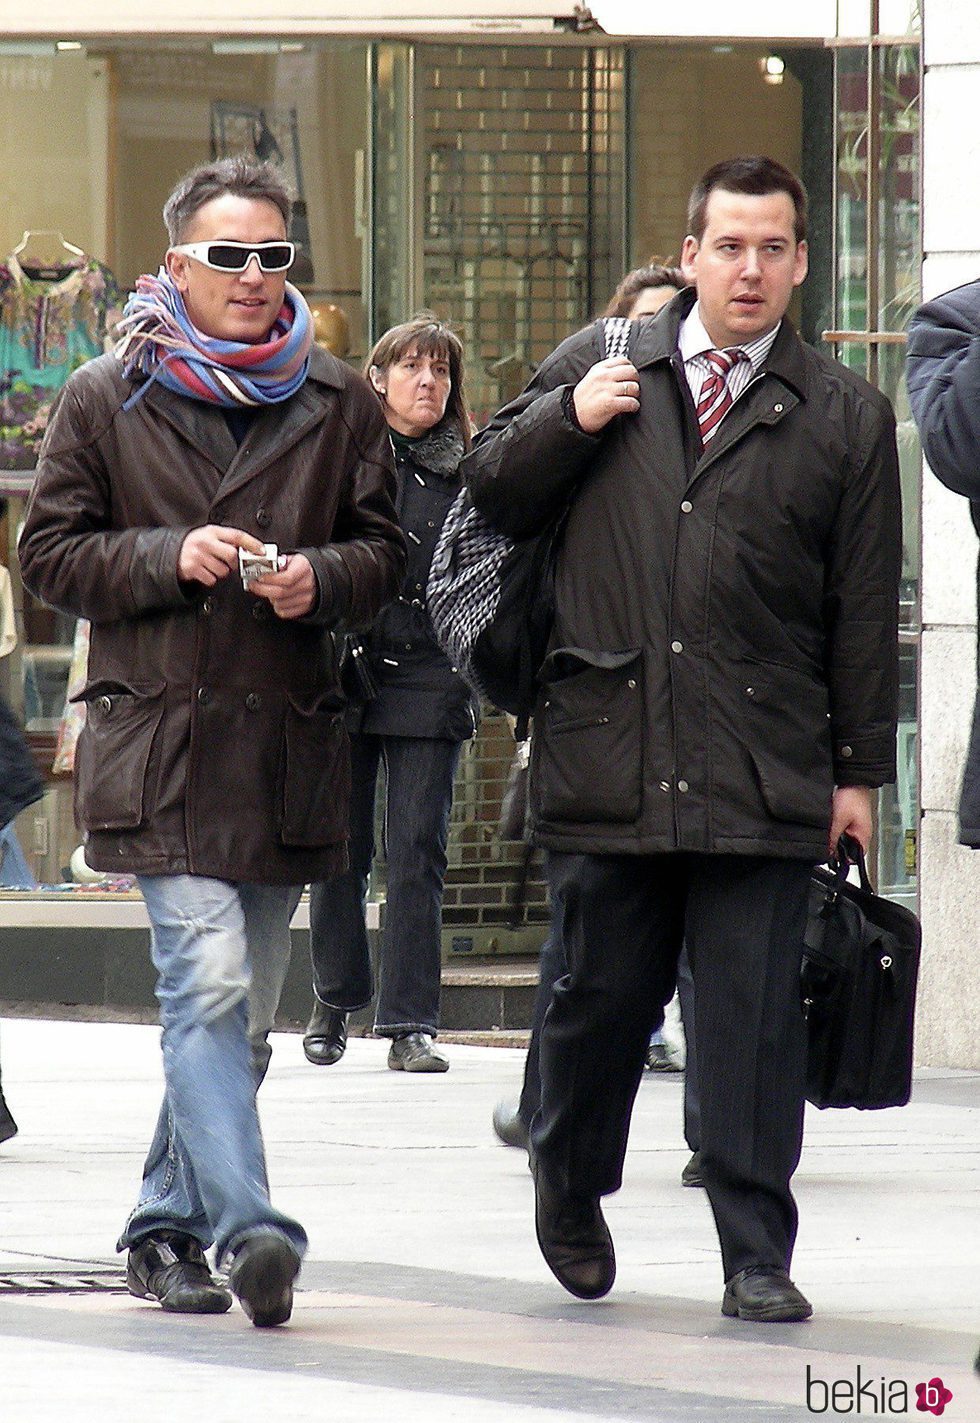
column 235, row 256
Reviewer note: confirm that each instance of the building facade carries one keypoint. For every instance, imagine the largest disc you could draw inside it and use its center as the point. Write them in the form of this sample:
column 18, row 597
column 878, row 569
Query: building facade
column 504, row 170
column 950, row 904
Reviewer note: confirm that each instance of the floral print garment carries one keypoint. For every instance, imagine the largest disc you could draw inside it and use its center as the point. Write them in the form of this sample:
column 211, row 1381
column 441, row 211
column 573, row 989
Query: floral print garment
column 48, row 328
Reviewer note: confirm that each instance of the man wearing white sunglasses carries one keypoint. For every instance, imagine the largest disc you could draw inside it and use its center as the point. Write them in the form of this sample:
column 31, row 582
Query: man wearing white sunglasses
column 214, row 762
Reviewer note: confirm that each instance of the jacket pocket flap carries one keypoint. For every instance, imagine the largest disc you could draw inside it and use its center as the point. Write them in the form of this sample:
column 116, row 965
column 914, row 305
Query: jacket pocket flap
column 114, row 750
column 113, row 686
column 563, row 662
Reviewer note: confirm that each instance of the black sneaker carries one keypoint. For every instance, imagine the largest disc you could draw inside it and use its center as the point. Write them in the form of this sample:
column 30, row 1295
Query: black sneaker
column 262, row 1275
column 171, row 1268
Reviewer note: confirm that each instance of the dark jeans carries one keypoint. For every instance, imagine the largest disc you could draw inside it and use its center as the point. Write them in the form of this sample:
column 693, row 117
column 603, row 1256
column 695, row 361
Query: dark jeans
column 419, row 775
column 623, row 919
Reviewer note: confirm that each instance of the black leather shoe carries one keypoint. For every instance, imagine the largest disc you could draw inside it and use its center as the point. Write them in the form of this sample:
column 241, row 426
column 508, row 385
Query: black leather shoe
column 325, row 1040
column 510, row 1126
column 691, row 1175
column 765, row 1295
column 574, row 1240
column 171, row 1268
column 262, row 1275
column 415, row 1052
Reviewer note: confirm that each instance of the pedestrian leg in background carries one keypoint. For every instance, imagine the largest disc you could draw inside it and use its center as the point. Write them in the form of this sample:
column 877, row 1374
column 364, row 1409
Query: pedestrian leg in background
column 339, row 949
column 420, row 774
column 512, row 1121
column 15, row 872
column 666, row 1052
column 691, row 1174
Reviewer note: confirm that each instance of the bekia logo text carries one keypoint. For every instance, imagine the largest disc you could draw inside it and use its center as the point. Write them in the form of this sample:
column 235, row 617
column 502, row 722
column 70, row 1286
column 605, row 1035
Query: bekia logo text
column 873, row 1396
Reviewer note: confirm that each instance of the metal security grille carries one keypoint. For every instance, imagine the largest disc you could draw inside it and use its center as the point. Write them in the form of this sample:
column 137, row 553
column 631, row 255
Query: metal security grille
column 523, row 229
column 523, row 238
column 487, row 874
column 508, row 162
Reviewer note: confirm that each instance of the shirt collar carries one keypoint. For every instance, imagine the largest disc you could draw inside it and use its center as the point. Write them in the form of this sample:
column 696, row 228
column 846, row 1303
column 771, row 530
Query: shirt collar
column 693, row 340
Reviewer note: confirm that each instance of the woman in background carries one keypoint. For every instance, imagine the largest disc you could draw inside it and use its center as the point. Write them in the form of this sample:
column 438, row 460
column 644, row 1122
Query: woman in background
column 417, row 714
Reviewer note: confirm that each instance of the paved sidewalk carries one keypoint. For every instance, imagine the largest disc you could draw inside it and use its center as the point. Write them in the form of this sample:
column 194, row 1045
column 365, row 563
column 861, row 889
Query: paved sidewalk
column 424, row 1296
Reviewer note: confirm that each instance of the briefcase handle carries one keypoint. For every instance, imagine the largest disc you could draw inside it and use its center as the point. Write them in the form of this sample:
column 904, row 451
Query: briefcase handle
column 847, row 853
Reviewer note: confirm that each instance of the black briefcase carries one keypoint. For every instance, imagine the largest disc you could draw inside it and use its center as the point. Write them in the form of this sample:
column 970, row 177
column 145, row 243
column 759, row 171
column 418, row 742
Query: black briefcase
column 860, row 969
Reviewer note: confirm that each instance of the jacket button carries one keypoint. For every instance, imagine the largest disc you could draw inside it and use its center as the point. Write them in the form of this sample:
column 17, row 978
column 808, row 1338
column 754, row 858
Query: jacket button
column 686, row 506
column 253, row 701
column 203, row 696
column 677, row 647
column 104, row 704
column 665, row 785
column 263, row 518
column 682, row 786
column 846, row 751
column 631, row 683
column 408, row 647
column 750, row 691
column 207, row 607
column 778, row 409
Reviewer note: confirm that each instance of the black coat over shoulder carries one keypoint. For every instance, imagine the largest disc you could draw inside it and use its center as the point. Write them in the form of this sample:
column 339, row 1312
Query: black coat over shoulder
column 419, row 692
column 944, row 390
column 725, row 647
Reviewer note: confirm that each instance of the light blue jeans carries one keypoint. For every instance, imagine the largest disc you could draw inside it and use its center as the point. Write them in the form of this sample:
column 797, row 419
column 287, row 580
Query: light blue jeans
column 221, row 952
column 15, row 872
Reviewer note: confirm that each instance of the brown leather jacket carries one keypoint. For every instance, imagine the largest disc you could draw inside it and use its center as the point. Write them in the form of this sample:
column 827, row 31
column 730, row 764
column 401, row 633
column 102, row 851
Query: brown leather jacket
column 214, row 742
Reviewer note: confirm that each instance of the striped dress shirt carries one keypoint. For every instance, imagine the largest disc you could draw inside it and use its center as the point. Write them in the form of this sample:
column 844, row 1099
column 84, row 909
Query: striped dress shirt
column 693, row 341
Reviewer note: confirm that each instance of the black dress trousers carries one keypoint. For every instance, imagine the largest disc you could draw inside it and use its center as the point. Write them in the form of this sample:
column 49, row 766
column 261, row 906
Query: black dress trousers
column 623, row 919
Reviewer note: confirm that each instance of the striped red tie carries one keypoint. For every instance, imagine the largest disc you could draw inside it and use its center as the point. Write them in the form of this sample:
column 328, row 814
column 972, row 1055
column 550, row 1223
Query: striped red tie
column 715, row 400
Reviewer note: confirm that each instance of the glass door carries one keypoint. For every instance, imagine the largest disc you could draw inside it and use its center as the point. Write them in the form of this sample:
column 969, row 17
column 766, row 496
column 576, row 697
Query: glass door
column 877, row 286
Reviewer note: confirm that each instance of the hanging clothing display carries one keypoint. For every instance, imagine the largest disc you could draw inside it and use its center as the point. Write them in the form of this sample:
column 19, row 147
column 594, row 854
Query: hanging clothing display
column 52, row 320
column 73, row 716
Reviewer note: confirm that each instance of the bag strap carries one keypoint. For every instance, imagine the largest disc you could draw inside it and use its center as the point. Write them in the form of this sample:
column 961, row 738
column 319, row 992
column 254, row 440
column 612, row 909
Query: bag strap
column 617, row 335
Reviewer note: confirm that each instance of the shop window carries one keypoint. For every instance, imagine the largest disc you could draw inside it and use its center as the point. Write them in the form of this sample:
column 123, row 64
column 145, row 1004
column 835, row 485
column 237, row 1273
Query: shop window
column 877, row 288
column 95, row 138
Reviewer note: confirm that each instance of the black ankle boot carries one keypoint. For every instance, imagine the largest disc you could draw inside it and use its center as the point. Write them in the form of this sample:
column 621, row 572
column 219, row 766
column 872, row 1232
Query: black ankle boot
column 326, row 1036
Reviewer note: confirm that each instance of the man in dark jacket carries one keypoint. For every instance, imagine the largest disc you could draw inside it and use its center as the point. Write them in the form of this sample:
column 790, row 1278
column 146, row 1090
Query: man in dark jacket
column 944, row 391
column 718, row 703
column 214, row 761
